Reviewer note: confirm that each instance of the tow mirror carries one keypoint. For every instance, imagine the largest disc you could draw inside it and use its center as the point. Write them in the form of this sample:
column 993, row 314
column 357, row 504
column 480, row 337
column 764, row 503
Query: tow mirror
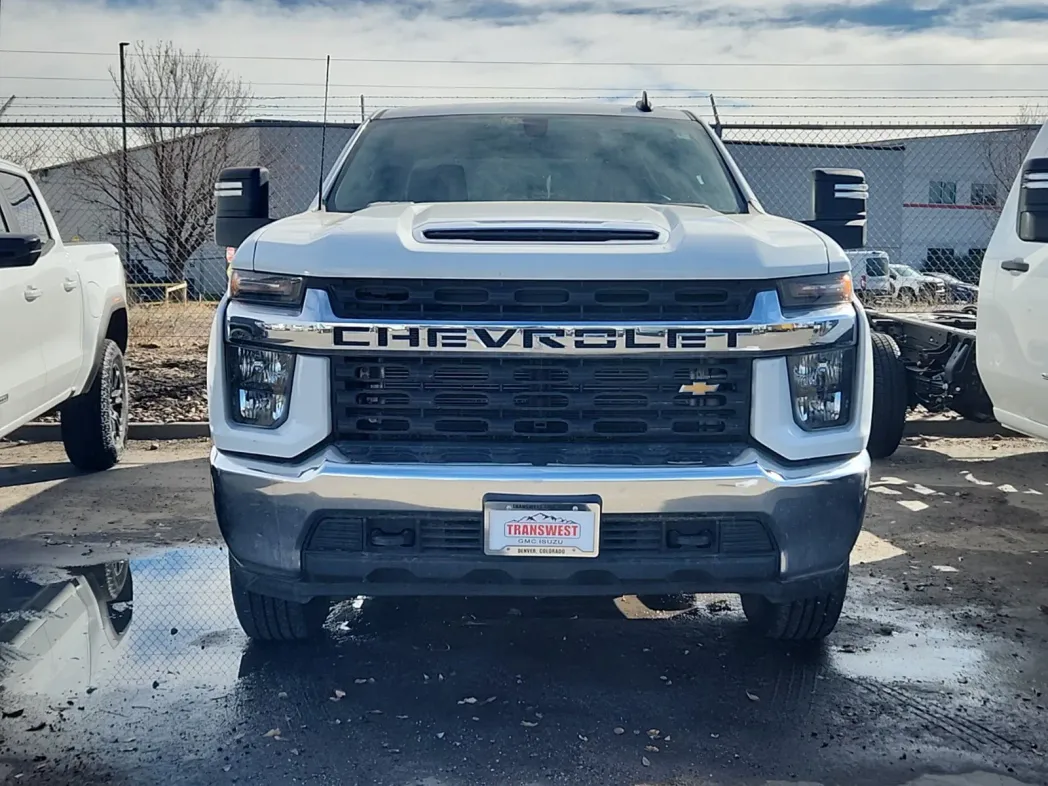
column 20, row 250
column 839, row 205
column 1033, row 201
column 242, row 204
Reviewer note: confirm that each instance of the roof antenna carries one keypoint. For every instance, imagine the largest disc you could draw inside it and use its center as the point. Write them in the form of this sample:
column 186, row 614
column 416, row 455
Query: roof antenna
column 323, row 137
column 643, row 104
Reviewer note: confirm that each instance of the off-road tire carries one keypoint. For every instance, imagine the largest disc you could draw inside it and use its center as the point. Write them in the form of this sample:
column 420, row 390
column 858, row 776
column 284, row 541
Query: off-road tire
column 807, row 619
column 890, row 397
column 94, row 424
column 267, row 619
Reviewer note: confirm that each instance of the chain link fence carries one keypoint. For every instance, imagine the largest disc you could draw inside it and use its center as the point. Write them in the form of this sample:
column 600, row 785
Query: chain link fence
column 935, row 195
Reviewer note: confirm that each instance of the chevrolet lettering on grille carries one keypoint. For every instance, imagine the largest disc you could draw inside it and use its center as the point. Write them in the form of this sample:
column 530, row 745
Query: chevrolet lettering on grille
column 574, row 339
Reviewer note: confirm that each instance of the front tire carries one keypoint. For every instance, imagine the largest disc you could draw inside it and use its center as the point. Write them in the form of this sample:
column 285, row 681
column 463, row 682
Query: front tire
column 807, row 619
column 94, row 424
column 267, row 619
column 890, row 397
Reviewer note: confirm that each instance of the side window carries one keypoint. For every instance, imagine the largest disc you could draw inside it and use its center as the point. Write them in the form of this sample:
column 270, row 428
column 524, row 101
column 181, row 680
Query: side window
column 942, row 192
column 25, row 209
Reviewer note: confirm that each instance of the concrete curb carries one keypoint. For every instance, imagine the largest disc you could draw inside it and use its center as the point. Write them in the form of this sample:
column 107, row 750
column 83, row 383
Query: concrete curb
column 50, row 432
column 963, row 429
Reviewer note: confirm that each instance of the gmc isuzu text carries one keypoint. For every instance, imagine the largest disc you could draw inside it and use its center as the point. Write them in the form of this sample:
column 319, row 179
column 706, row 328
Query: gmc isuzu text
column 533, row 350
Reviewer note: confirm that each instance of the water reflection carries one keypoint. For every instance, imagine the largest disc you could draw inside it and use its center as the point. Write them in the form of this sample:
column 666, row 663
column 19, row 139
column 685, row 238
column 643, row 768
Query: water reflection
column 59, row 632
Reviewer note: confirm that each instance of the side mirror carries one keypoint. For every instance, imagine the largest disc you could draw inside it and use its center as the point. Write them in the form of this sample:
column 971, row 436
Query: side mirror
column 1033, row 201
column 839, row 205
column 20, row 250
column 242, row 204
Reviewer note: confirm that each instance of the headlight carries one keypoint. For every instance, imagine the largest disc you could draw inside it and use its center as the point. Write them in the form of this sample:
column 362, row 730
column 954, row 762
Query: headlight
column 812, row 291
column 267, row 289
column 821, row 385
column 259, row 385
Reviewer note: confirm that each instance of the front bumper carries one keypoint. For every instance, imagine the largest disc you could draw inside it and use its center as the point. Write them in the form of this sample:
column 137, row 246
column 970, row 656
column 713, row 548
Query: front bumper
column 268, row 511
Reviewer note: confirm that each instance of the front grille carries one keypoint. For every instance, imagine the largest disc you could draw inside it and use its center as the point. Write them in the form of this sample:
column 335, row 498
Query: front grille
column 464, row 300
column 529, row 402
column 572, row 455
column 652, row 534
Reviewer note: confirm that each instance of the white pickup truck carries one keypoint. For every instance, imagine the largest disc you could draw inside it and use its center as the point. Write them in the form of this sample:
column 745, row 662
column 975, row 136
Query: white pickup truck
column 539, row 349
column 1004, row 377
column 63, row 318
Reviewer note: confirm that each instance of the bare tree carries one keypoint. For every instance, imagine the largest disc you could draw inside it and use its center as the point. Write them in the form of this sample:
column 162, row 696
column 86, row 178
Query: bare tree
column 1005, row 152
column 166, row 205
column 27, row 153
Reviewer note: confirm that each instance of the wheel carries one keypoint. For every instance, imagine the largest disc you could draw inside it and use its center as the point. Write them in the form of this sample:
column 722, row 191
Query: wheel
column 113, row 580
column 272, row 619
column 94, row 424
column 807, row 619
column 907, row 297
column 890, row 397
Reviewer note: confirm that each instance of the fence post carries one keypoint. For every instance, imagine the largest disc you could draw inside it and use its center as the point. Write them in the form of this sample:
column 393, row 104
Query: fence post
column 717, row 128
column 124, row 206
column 361, row 107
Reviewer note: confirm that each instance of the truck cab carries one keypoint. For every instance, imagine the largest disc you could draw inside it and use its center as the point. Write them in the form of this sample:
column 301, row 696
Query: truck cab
column 539, row 350
column 1012, row 321
column 64, row 328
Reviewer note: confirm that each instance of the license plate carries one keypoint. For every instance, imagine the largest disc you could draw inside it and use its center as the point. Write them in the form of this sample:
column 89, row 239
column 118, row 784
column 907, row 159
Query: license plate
column 541, row 528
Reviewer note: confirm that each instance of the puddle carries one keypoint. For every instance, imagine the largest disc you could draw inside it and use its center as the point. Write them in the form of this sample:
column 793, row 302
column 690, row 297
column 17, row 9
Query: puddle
column 143, row 663
column 166, row 623
column 63, row 632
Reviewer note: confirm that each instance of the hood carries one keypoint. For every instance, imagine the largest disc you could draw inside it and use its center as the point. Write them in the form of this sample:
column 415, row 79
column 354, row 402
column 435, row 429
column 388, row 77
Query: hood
column 540, row 240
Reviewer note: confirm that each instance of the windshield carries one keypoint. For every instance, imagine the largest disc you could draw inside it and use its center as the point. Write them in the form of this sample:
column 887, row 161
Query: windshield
column 523, row 158
column 876, row 267
column 905, row 270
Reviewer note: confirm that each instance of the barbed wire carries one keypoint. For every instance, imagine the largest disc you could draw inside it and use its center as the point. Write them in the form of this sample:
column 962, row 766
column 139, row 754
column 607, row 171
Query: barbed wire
column 555, row 63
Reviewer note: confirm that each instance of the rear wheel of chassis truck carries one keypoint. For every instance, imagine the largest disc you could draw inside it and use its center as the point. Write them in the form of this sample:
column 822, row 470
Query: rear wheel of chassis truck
column 94, row 424
column 890, row 397
column 272, row 619
column 807, row 619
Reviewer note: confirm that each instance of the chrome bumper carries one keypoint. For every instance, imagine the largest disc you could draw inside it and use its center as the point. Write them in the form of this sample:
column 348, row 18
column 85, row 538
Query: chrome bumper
column 266, row 510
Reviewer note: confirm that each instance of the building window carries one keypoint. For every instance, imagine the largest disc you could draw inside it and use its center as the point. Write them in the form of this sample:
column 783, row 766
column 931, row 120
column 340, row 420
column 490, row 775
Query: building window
column 984, row 194
column 942, row 192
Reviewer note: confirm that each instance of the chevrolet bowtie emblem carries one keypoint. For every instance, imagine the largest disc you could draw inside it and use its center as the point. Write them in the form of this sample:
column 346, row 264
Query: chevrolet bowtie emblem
column 698, row 388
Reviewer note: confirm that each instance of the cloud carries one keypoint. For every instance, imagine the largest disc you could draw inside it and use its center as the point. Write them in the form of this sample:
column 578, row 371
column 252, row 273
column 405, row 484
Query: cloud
column 840, row 48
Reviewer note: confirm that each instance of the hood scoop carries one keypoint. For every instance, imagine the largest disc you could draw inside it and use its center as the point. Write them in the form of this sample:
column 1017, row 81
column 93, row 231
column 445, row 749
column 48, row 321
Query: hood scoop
column 541, row 234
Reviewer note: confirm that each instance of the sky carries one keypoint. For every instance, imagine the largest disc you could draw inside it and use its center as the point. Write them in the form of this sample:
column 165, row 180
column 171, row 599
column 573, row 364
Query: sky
column 814, row 59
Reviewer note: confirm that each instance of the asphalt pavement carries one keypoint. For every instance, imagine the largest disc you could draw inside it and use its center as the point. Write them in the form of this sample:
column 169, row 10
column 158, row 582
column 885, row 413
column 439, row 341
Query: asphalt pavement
column 936, row 675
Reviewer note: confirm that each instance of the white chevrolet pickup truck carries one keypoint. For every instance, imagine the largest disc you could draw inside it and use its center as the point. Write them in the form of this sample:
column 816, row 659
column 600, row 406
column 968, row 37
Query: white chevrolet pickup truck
column 63, row 318
column 539, row 350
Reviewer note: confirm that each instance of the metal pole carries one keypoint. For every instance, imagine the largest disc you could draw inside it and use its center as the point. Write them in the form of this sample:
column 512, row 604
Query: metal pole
column 124, row 197
column 361, row 107
column 718, row 129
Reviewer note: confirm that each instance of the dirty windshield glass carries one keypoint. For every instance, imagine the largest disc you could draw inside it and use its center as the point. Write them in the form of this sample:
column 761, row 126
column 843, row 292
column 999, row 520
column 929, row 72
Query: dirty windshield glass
column 571, row 158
